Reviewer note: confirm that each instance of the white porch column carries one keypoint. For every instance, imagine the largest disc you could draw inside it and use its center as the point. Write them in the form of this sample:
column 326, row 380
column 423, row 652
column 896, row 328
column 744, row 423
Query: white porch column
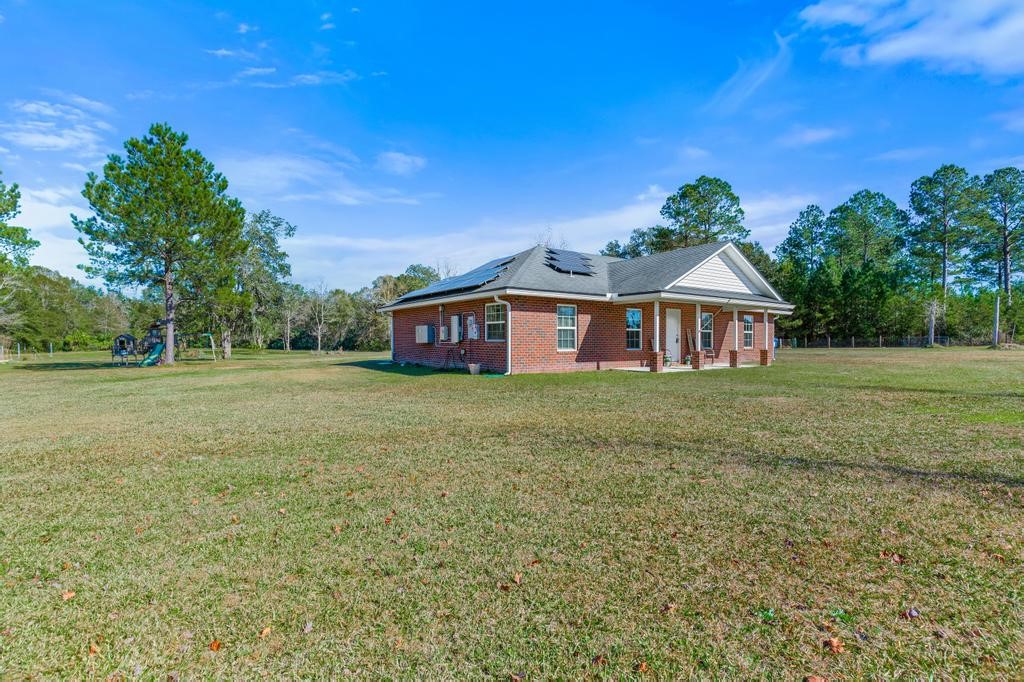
column 735, row 331
column 766, row 342
column 657, row 326
column 391, row 333
column 698, row 328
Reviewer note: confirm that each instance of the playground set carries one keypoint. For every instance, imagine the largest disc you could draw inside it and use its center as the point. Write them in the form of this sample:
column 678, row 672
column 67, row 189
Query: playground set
column 151, row 346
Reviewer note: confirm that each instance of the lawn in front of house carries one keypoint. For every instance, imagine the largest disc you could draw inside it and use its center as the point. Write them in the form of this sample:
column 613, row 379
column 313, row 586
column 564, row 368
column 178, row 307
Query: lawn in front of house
column 842, row 513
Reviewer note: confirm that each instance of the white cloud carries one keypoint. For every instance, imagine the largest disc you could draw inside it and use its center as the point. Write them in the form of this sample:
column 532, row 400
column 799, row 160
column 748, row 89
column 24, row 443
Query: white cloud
column 224, row 53
column 652, row 192
column 768, row 216
column 967, row 36
column 50, row 126
column 327, row 27
column 294, row 177
column 750, row 77
column 802, row 136
column 398, row 163
column 356, row 260
column 47, row 213
column 905, row 154
column 355, row 10
column 2, row 19
column 256, row 71
column 244, row 28
column 695, row 153
column 325, row 21
column 1012, row 120
column 325, row 16
column 324, row 78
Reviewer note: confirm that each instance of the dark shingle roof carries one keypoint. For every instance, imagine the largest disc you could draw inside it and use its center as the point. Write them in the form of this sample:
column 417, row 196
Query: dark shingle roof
column 529, row 270
column 659, row 270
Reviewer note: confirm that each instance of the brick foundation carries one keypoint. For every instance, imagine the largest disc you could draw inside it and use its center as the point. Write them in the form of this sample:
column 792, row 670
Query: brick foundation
column 766, row 357
column 734, row 358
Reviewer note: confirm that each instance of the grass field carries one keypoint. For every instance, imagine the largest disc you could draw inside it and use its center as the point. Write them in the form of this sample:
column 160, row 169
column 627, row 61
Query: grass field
column 846, row 514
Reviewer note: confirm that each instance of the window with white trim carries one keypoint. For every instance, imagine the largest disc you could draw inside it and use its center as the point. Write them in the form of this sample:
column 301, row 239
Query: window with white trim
column 748, row 331
column 565, row 326
column 494, row 322
column 634, row 321
column 707, row 331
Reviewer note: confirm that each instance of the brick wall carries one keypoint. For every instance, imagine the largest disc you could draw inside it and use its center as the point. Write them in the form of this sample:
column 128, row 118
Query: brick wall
column 600, row 336
column 489, row 354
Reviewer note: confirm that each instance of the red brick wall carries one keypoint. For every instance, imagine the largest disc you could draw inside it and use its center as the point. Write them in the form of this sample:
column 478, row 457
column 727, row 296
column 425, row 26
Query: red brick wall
column 600, row 336
column 490, row 354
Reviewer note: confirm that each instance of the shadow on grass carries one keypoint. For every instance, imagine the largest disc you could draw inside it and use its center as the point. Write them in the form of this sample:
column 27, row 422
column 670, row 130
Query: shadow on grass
column 90, row 364
column 388, row 367
column 922, row 389
column 895, row 470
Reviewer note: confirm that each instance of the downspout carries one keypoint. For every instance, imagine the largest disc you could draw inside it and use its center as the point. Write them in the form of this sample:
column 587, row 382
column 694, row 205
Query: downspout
column 508, row 334
column 391, row 334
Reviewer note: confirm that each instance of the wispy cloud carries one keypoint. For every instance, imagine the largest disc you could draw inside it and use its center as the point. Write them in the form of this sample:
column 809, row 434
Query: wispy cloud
column 769, row 215
column 325, row 21
column 398, row 163
column 225, row 53
column 256, row 71
column 969, row 36
column 296, row 177
column 244, row 28
column 751, row 77
column 695, row 153
column 1012, row 120
column 652, row 192
column 57, row 126
column 802, row 136
column 905, row 154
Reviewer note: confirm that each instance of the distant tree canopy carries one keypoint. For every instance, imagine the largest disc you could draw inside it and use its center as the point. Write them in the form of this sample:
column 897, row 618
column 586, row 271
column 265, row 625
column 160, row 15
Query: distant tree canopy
column 172, row 244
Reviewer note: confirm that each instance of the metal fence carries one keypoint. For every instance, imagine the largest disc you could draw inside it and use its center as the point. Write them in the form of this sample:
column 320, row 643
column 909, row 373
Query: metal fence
column 883, row 341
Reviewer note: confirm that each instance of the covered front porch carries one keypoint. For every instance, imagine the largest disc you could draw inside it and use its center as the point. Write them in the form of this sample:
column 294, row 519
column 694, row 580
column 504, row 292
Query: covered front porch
column 697, row 333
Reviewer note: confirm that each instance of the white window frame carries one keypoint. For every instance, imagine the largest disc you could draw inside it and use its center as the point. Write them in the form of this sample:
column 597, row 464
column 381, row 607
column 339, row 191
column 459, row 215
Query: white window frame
column 639, row 330
column 710, row 330
column 748, row 334
column 488, row 323
column 574, row 327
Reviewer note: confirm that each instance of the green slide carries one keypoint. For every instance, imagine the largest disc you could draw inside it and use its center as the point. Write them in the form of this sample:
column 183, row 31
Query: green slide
column 154, row 356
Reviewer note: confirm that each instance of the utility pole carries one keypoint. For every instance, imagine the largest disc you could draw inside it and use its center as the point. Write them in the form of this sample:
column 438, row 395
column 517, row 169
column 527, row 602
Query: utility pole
column 931, row 323
column 995, row 325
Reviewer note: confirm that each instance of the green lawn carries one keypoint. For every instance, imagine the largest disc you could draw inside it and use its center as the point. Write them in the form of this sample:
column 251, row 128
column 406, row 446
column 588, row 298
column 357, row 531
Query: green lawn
column 328, row 515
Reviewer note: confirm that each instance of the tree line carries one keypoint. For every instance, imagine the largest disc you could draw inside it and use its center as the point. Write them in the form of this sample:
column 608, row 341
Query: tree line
column 174, row 248
column 171, row 245
column 868, row 267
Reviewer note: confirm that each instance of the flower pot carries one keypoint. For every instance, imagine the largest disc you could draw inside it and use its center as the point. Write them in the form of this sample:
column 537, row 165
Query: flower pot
column 474, row 368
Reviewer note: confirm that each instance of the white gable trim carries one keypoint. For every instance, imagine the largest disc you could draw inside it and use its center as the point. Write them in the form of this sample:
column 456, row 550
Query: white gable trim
column 745, row 265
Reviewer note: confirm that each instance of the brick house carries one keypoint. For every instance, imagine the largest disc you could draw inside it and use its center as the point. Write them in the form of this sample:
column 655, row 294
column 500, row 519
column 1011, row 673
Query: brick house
column 551, row 310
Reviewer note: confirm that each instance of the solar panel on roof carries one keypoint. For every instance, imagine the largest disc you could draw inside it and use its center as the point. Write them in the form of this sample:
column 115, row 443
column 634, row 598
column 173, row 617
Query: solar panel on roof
column 476, row 277
column 569, row 261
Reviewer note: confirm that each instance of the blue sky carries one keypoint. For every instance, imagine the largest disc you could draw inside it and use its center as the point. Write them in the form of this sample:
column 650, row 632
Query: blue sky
column 452, row 133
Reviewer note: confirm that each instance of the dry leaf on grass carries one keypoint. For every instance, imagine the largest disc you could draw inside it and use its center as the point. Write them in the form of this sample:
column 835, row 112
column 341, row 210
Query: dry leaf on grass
column 834, row 645
column 68, row 594
column 265, row 631
column 518, row 578
column 215, row 645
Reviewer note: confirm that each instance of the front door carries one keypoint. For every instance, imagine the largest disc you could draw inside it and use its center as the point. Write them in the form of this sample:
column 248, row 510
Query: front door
column 673, row 329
